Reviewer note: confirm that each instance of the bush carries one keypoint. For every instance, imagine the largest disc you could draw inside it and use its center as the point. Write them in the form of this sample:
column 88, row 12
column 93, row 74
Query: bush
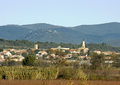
column 72, row 73
column 29, row 60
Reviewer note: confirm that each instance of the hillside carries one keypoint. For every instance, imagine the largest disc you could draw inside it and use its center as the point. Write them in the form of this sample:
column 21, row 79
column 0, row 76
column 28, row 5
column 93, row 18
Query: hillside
column 108, row 32
column 101, row 32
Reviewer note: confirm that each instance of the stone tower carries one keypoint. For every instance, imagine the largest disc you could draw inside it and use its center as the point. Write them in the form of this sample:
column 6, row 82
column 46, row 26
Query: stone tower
column 36, row 46
column 83, row 44
column 83, row 49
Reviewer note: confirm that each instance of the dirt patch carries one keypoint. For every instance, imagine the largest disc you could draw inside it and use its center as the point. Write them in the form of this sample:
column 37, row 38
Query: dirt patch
column 55, row 82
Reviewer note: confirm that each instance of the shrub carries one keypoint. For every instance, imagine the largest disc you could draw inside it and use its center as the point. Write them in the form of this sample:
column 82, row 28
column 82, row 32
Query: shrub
column 29, row 60
column 72, row 73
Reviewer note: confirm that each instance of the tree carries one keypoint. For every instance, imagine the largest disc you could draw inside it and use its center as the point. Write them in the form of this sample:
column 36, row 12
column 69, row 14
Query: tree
column 41, row 63
column 24, row 54
column 1, row 50
column 12, row 52
column 36, row 51
column 50, row 51
column 116, row 60
column 29, row 60
column 67, row 51
column 97, row 60
column 59, row 62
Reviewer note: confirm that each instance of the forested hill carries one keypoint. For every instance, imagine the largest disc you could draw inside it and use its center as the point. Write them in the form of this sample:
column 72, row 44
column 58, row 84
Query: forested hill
column 107, row 32
column 20, row 44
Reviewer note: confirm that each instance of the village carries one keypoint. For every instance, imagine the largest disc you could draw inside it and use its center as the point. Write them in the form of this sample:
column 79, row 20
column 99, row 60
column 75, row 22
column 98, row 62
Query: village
column 81, row 54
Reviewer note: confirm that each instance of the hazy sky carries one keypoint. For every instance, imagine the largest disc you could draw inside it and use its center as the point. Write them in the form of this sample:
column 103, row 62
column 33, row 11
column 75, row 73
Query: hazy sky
column 59, row 12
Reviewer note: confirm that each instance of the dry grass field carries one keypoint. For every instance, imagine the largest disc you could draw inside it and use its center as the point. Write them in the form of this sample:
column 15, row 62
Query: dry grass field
column 56, row 82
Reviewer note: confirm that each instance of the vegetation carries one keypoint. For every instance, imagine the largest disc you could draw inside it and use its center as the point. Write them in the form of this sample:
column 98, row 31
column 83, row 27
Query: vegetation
column 37, row 73
column 29, row 60
column 44, row 69
column 59, row 68
column 98, row 70
column 1, row 50
column 72, row 73
column 116, row 59
column 97, row 60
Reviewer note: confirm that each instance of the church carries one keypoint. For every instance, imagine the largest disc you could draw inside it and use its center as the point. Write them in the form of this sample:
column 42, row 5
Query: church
column 83, row 49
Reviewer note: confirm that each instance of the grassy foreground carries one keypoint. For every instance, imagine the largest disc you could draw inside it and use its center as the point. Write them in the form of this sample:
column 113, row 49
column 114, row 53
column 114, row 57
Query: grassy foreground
column 37, row 73
column 56, row 82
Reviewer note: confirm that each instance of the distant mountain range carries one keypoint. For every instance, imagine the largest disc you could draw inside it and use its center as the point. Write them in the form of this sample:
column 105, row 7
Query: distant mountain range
column 108, row 32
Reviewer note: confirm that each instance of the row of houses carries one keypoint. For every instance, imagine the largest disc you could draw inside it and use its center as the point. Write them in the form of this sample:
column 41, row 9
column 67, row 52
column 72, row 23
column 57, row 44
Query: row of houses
column 11, row 54
column 70, row 55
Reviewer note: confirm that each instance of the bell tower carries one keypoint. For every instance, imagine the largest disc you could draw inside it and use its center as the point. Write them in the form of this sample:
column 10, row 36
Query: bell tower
column 36, row 46
column 83, row 44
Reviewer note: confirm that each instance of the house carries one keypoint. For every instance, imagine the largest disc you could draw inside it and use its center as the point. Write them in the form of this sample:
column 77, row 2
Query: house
column 97, row 51
column 17, row 58
column 2, row 58
column 73, row 51
column 41, row 53
column 8, row 54
column 60, row 48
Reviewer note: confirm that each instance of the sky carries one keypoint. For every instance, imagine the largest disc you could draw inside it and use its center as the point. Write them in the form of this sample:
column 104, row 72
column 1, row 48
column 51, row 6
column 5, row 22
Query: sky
column 59, row 12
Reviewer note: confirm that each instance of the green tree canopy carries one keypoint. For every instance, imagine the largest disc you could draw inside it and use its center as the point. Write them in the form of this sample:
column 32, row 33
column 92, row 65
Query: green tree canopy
column 29, row 60
column 97, row 60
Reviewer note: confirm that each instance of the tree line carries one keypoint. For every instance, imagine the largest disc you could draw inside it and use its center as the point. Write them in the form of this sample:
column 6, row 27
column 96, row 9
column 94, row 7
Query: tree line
column 20, row 44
